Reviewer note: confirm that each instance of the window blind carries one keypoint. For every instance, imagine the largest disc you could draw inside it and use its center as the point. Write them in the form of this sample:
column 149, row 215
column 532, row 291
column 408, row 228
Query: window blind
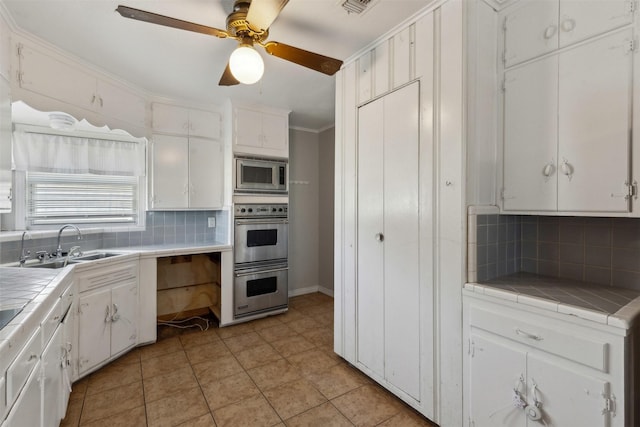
column 54, row 198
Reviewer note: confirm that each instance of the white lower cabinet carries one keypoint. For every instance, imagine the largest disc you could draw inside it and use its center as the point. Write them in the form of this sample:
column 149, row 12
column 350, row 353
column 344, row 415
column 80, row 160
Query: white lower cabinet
column 52, row 381
column 562, row 372
column 27, row 410
column 107, row 314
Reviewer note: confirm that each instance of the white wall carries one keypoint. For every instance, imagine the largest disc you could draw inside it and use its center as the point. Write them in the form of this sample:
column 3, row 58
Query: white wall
column 326, row 159
column 303, row 212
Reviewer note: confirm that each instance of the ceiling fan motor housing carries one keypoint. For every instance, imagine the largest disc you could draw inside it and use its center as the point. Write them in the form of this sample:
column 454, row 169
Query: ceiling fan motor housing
column 237, row 25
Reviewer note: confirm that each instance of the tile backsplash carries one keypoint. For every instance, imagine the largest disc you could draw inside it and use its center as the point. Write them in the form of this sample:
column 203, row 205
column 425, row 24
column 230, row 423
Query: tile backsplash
column 162, row 227
column 598, row 250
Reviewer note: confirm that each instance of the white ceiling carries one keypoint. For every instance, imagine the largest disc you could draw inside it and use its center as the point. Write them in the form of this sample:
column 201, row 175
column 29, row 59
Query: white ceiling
column 187, row 66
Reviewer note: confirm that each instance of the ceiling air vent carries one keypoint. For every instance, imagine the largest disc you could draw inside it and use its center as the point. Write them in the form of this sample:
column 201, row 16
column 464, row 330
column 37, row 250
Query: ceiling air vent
column 355, row 6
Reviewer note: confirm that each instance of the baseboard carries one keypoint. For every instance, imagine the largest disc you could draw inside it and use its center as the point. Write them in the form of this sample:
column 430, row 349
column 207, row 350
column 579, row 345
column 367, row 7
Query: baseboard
column 325, row 291
column 303, row 291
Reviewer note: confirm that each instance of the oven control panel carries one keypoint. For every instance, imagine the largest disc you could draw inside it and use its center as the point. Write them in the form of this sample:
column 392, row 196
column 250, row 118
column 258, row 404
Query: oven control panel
column 251, row 210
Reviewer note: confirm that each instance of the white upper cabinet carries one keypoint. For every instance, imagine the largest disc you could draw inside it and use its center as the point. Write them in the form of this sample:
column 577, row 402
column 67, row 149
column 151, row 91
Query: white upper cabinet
column 261, row 131
column 533, row 28
column 5, row 49
column 5, row 146
column 44, row 73
column 185, row 121
column 566, row 130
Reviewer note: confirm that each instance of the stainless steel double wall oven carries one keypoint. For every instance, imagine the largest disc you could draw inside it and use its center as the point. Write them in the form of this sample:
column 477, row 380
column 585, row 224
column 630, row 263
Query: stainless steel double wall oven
column 261, row 254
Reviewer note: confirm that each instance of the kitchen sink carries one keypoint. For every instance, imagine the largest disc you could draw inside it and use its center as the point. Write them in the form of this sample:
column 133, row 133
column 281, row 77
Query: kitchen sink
column 58, row 263
column 94, row 256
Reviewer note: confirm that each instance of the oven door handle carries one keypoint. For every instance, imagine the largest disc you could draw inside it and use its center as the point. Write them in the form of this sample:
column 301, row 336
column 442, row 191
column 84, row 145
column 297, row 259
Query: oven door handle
column 261, row 221
column 275, row 270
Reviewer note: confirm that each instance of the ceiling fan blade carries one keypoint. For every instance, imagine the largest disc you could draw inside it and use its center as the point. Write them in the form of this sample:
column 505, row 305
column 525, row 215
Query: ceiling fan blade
column 262, row 13
column 315, row 61
column 154, row 18
column 227, row 78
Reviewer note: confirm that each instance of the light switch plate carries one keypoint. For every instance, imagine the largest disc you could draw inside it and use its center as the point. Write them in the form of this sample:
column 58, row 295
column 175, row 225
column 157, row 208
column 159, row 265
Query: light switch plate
column 211, row 221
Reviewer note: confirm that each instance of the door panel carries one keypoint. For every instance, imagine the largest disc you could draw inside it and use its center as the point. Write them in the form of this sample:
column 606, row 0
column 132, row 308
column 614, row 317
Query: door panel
column 595, row 107
column 206, row 167
column 581, row 19
column 530, row 136
column 495, row 369
column 531, row 30
column 170, row 172
column 124, row 300
column 568, row 398
column 94, row 331
column 401, row 242
column 370, row 291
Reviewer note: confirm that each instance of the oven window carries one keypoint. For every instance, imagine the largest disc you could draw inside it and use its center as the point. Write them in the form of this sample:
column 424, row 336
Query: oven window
column 256, row 238
column 267, row 285
column 256, row 175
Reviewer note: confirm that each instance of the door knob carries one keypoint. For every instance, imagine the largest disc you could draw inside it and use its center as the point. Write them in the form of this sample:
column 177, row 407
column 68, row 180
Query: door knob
column 380, row 237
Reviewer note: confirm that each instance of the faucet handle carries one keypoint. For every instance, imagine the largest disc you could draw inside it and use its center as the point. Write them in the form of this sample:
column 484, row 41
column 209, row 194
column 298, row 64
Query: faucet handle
column 42, row 255
column 74, row 252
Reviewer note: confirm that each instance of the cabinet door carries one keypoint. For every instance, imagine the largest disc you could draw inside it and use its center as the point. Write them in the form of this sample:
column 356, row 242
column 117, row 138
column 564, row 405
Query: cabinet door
column 170, row 119
column 530, row 137
column 530, row 30
column 27, row 410
column 5, row 146
column 370, row 263
column 595, row 113
column 114, row 101
column 401, row 243
column 496, row 369
column 275, row 134
column 388, row 300
column 247, row 129
column 94, row 329
column 170, row 169
column 206, row 173
column 205, row 123
column 69, row 351
column 124, row 315
column 52, row 392
column 581, row 19
column 568, row 397
column 46, row 75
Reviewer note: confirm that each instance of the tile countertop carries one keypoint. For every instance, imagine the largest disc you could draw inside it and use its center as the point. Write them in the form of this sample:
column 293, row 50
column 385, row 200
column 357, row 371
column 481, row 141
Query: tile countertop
column 619, row 307
column 35, row 289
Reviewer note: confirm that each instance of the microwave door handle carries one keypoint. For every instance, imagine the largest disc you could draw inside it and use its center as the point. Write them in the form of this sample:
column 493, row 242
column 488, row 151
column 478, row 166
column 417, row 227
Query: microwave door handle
column 275, row 270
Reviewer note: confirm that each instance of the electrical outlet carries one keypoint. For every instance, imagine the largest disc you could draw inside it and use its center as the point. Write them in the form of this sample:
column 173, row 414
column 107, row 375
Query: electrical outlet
column 211, row 221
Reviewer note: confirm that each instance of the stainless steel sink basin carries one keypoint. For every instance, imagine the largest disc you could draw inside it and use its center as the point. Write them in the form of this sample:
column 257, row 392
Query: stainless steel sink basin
column 94, row 256
column 58, row 263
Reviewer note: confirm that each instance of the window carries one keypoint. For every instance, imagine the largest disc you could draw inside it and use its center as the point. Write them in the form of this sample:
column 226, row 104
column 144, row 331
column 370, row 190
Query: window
column 56, row 198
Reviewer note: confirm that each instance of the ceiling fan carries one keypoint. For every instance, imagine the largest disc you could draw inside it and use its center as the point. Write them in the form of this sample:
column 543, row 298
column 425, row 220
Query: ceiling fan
column 248, row 24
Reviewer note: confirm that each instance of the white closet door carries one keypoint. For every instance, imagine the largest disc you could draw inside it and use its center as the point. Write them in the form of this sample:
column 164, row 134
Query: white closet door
column 370, row 287
column 401, row 239
column 530, row 136
column 388, row 294
column 595, row 110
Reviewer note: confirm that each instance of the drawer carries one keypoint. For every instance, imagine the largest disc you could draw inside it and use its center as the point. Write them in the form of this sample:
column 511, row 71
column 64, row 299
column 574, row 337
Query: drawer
column 51, row 322
column 22, row 365
column 544, row 335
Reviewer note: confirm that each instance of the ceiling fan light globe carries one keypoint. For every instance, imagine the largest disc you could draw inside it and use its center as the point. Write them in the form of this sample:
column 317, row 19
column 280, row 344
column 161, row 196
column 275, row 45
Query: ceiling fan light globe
column 246, row 65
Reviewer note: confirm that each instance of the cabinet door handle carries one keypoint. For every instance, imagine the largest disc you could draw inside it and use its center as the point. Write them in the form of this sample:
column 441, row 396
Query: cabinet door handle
column 115, row 316
column 548, row 169
column 550, row 31
column 567, row 169
column 107, row 316
column 380, row 237
column 568, row 25
column 528, row 335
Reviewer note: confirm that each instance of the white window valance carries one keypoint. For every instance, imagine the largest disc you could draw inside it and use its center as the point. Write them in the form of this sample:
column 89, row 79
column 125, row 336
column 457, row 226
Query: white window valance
column 39, row 152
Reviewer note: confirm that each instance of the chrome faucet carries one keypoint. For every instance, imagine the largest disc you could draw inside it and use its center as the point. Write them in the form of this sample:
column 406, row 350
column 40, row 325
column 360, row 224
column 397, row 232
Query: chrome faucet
column 59, row 248
column 24, row 256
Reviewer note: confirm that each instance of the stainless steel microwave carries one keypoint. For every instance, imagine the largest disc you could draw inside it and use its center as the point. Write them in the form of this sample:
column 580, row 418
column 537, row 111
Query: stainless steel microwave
column 255, row 175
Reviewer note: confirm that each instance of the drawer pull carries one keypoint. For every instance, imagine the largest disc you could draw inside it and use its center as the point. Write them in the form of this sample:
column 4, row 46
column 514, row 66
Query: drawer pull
column 528, row 335
column 32, row 356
